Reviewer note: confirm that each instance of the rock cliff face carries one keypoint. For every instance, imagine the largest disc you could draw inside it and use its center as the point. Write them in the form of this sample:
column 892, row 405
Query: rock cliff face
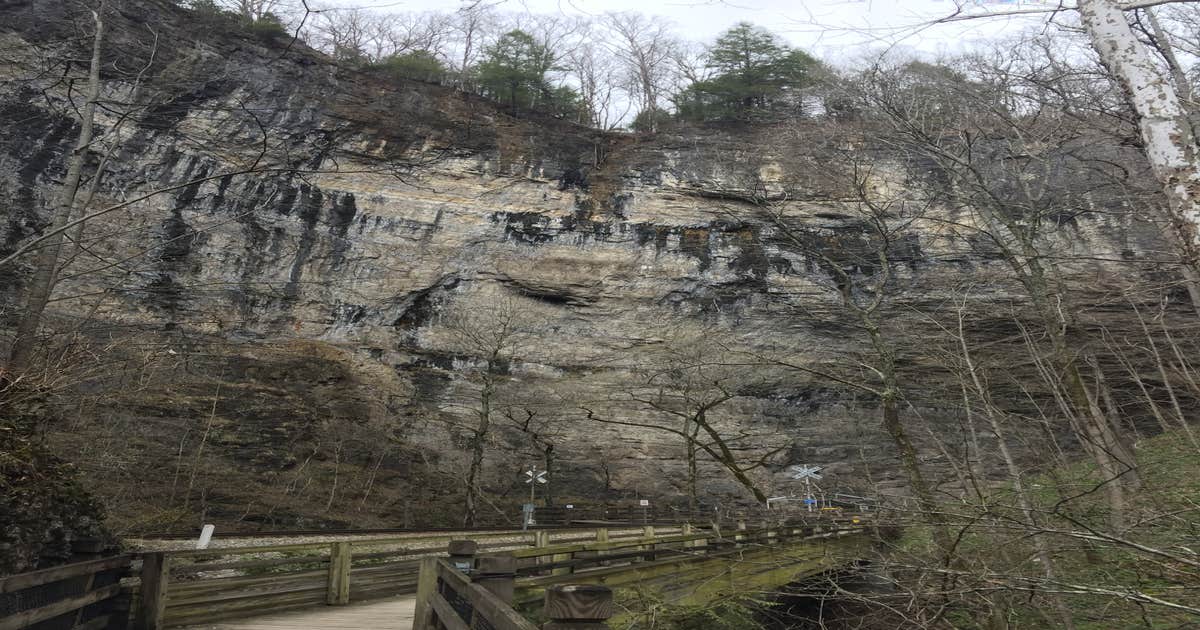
column 284, row 308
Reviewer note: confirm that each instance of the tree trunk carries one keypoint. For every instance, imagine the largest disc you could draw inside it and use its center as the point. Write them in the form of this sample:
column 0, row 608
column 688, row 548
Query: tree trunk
column 1045, row 557
column 724, row 455
column 912, row 468
column 690, row 444
column 549, row 491
column 46, row 272
column 1165, row 128
column 478, row 438
column 1098, row 439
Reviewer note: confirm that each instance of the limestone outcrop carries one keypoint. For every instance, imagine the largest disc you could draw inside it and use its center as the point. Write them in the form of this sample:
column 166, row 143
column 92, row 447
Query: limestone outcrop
column 290, row 291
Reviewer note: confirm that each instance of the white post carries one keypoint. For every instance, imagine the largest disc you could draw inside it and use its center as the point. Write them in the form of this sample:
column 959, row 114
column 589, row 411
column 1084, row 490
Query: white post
column 206, row 535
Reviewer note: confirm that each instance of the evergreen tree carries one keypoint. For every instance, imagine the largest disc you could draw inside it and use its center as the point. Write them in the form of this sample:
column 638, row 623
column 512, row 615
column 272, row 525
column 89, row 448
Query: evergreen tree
column 753, row 71
column 515, row 70
column 565, row 102
column 420, row 65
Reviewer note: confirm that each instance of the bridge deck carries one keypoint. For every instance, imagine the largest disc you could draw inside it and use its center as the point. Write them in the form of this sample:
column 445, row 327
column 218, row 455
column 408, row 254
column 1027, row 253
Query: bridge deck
column 395, row 613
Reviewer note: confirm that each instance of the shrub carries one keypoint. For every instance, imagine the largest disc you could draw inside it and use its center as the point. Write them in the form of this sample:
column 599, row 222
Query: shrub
column 419, row 65
column 45, row 508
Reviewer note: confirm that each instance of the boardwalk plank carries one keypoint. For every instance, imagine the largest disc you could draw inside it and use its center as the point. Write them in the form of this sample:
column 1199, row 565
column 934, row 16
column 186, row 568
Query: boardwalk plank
column 388, row 614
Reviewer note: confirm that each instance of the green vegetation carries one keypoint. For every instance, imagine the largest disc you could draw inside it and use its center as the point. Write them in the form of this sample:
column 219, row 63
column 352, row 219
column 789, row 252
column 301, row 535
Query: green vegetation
column 419, row 65
column 514, row 73
column 644, row 610
column 268, row 29
column 1138, row 578
column 755, row 72
column 649, row 120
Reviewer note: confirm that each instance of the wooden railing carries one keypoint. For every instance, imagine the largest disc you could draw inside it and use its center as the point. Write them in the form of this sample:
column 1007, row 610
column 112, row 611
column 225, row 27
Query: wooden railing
column 84, row 595
column 192, row 586
column 687, row 564
column 464, row 592
column 570, row 583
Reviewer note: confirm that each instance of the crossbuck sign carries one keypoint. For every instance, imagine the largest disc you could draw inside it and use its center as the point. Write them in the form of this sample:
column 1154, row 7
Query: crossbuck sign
column 806, row 472
column 533, row 475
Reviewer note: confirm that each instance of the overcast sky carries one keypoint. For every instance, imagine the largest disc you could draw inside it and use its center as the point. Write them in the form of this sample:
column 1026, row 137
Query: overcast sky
column 833, row 29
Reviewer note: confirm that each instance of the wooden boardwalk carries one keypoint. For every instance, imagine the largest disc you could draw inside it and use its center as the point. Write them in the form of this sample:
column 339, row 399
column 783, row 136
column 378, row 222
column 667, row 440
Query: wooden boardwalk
column 395, row 613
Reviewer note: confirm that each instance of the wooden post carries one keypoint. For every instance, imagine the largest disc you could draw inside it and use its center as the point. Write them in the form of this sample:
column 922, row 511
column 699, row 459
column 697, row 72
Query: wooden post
column 156, row 573
column 497, row 574
column 337, row 593
column 541, row 539
column 562, row 557
column 462, row 555
column 426, row 587
column 648, row 534
column 578, row 607
column 602, row 537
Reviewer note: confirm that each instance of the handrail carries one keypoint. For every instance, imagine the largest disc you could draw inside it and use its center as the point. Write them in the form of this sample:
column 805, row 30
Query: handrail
column 186, row 586
column 686, row 566
column 451, row 599
column 469, row 590
column 712, row 538
column 79, row 595
column 441, row 539
column 22, row 581
column 183, row 587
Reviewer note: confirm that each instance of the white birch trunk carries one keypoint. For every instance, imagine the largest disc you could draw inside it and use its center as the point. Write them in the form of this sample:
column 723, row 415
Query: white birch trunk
column 1165, row 129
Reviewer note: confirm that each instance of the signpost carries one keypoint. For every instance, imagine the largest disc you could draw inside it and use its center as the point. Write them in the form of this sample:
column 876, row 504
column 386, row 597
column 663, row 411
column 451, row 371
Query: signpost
column 808, row 474
column 532, row 477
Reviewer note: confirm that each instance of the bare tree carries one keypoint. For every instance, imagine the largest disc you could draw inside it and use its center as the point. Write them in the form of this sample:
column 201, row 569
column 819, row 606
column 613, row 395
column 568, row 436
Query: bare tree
column 347, row 34
column 645, row 46
column 686, row 385
column 597, row 74
column 1166, row 131
column 491, row 339
column 859, row 256
column 473, row 23
column 1166, row 128
column 41, row 285
column 258, row 9
column 543, row 429
column 1016, row 191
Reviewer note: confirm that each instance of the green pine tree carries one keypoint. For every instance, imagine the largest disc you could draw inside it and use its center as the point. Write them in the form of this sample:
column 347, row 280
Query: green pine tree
column 420, row 65
column 754, row 71
column 515, row 70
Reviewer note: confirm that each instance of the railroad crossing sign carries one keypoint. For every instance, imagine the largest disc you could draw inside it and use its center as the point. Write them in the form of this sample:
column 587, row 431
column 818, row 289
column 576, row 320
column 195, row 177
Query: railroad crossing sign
column 532, row 475
column 806, row 472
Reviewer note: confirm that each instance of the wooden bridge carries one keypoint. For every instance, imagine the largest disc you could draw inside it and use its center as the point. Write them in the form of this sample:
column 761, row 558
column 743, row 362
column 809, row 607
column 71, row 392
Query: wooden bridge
column 497, row 579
